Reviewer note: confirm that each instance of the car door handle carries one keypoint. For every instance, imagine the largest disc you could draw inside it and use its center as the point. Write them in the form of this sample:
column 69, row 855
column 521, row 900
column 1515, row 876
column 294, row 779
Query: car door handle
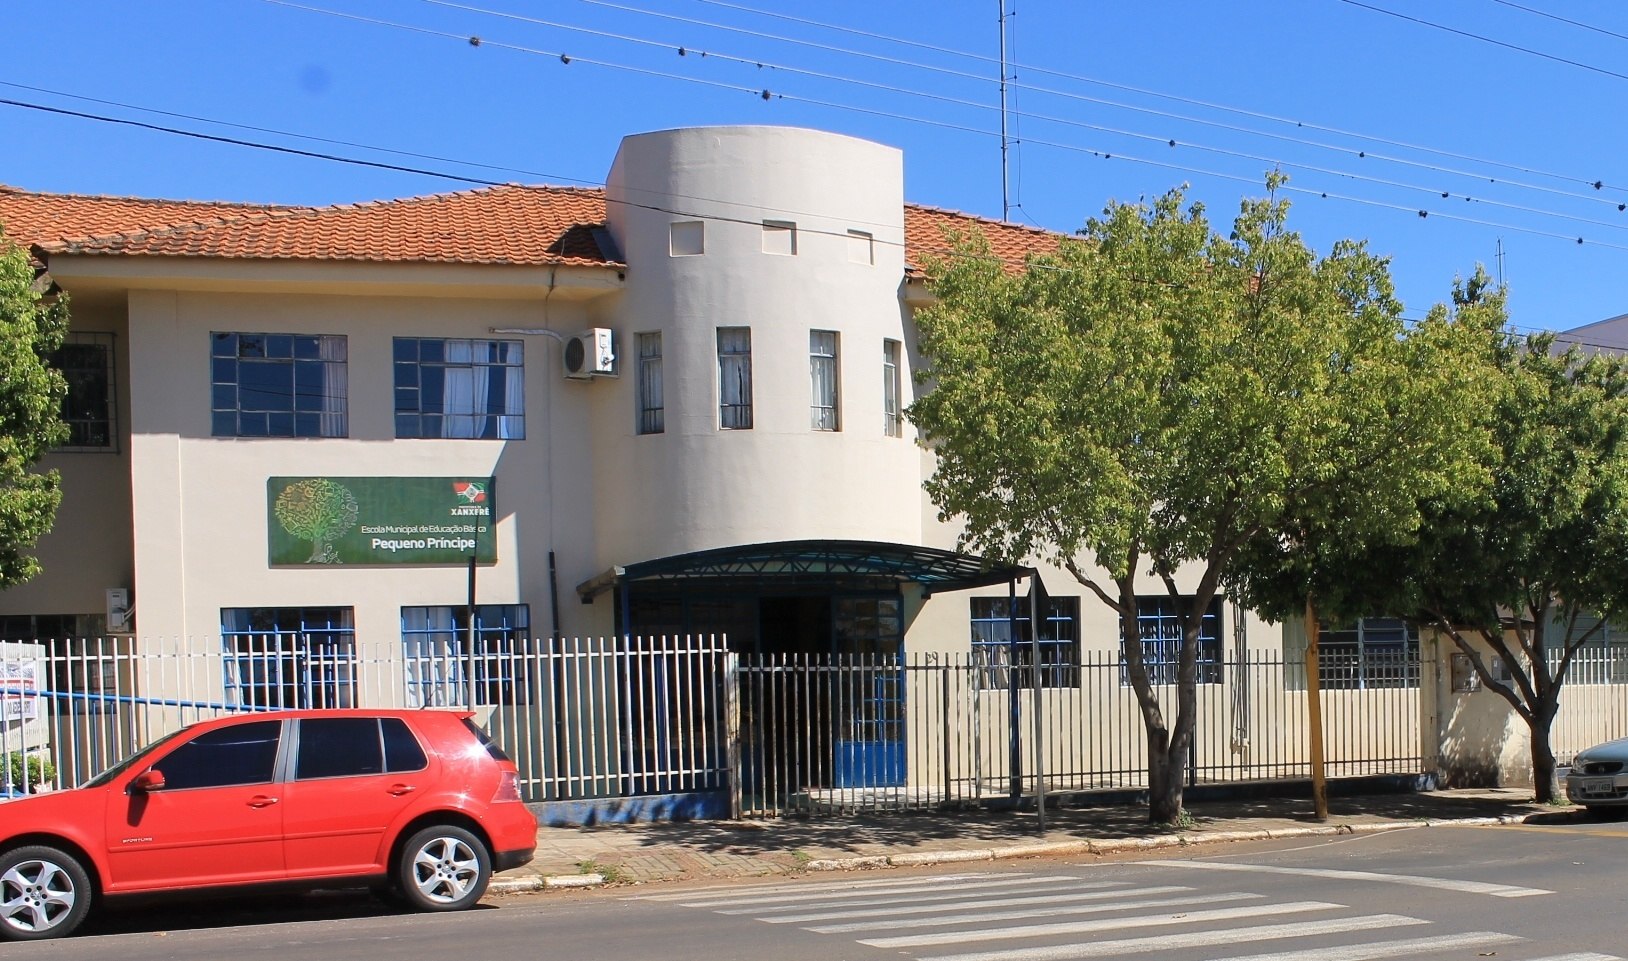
column 399, row 789
column 262, row 801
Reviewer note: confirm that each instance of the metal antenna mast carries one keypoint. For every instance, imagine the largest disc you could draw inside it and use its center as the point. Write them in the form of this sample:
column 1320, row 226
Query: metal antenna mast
column 1006, row 200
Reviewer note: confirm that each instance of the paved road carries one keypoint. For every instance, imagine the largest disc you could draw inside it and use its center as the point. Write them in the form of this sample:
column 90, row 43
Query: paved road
column 1513, row 893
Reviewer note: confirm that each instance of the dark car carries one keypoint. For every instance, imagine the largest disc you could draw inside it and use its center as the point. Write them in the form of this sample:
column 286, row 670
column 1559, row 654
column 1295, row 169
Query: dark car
column 422, row 806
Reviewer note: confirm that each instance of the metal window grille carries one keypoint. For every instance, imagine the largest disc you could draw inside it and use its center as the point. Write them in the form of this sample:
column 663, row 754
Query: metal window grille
column 1160, row 629
column 994, row 653
column 822, row 372
column 289, row 657
column 278, row 385
column 460, row 388
column 652, row 413
column 735, row 378
column 444, row 667
column 1372, row 652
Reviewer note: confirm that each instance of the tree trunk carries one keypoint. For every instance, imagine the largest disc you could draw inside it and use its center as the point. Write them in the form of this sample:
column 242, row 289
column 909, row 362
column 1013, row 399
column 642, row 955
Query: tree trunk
column 1164, row 783
column 1545, row 786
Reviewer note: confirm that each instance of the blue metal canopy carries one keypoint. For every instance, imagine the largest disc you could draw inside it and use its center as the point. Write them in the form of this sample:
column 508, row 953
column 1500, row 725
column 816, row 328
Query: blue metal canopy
column 810, row 562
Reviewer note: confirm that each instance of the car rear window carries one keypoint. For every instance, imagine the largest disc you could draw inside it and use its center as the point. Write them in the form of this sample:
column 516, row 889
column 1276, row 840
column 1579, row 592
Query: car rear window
column 401, row 749
column 486, row 741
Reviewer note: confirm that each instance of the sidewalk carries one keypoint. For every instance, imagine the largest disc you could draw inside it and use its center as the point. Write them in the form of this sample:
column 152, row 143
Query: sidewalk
column 695, row 850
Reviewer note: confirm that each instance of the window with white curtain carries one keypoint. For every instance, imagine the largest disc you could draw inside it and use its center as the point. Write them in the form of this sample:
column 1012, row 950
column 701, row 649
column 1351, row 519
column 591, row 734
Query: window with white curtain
column 822, row 373
column 285, row 657
column 891, row 390
column 652, row 413
column 277, row 385
column 735, row 378
column 460, row 388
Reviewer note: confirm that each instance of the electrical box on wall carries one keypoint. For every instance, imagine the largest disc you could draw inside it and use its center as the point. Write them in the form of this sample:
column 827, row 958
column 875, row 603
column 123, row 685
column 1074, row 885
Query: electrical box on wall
column 591, row 353
column 1465, row 680
column 120, row 613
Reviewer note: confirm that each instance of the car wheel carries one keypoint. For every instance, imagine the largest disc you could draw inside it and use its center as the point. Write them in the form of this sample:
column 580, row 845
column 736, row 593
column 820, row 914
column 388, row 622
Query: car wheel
column 443, row 868
column 44, row 893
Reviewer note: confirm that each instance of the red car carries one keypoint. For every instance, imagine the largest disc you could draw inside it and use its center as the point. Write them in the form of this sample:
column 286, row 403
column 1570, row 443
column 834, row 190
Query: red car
column 420, row 805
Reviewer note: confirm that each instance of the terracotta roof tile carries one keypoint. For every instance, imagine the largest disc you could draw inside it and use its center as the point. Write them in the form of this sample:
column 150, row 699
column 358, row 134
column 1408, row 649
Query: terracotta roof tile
column 505, row 225
column 510, row 225
column 29, row 219
column 927, row 233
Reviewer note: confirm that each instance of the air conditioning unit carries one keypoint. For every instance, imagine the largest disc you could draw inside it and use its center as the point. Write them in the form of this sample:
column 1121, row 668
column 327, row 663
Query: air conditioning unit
column 591, row 353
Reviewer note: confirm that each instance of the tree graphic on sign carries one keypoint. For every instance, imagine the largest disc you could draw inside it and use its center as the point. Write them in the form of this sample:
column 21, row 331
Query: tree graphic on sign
column 317, row 510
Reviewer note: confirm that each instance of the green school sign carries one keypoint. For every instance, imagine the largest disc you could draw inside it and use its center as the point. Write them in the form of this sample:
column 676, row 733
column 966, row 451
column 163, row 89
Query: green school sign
column 379, row 520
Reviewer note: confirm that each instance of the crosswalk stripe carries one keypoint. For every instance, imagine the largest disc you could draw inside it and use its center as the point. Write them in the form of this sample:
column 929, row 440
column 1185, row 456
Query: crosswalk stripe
column 1050, row 912
column 843, row 885
column 1033, row 896
column 746, row 897
column 1375, row 950
column 1100, row 924
column 1194, row 939
column 1446, row 884
column 833, row 900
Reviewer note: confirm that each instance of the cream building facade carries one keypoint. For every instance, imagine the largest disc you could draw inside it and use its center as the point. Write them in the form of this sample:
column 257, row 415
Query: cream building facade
column 673, row 406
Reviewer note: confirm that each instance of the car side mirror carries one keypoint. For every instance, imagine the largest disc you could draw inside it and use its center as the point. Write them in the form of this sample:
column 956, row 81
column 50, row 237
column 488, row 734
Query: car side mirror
column 148, row 781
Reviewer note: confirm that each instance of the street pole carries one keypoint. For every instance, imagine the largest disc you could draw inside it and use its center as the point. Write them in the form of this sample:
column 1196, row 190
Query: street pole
column 472, row 636
column 1314, row 708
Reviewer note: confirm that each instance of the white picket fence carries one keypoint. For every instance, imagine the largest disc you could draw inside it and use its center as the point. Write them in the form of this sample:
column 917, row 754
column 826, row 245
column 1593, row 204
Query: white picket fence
column 617, row 718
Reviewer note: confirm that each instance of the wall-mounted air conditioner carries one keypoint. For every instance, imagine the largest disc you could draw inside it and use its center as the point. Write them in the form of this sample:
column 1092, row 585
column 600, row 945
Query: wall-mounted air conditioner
column 591, row 353
column 120, row 612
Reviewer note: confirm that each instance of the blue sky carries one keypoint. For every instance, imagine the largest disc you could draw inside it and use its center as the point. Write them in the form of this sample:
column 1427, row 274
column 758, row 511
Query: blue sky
column 1380, row 114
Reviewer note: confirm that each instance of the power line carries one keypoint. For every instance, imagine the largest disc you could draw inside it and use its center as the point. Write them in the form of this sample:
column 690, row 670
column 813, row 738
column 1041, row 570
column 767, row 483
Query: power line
column 656, row 208
column 565, row 59
column 1591, row 182
column 1497, row 43
column 891, row 88
column 1557, row 17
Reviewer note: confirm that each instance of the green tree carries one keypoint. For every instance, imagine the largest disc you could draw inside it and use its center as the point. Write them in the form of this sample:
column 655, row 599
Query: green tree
column 1154, row 398
column 32, row 326
column 1533, row 571
column 318, row 510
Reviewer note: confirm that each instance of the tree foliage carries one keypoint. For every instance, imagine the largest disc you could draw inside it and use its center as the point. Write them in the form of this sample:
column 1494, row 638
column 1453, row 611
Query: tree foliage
column 32, row 326
column 1156, row 398
column 1532, row 572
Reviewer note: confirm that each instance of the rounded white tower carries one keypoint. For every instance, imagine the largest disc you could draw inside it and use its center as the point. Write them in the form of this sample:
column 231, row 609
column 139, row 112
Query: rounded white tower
column 764, row 266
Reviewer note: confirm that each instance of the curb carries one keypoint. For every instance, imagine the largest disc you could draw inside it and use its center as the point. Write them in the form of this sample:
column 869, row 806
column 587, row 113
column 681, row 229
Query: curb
column 549, row 883
column 527, row 885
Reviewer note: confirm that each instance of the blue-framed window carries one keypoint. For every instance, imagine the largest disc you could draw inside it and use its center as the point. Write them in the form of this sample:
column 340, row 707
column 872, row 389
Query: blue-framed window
column 441, row 663
column 460, row 388
column 278, row 385
column 1369, row 652
column 993, row 653
column 287, row 657
column 1160, row 627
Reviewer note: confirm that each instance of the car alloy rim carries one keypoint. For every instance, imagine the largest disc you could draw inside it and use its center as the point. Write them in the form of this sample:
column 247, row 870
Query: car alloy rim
column 35, row 896
column 445, row 869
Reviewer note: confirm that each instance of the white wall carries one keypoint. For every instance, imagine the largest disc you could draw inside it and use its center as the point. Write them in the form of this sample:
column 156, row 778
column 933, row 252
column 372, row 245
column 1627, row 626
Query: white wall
column 695, row 486
column 200, row 533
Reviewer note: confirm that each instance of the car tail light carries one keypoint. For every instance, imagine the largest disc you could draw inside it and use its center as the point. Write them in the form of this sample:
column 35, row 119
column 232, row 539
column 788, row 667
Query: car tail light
column 508, row 788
